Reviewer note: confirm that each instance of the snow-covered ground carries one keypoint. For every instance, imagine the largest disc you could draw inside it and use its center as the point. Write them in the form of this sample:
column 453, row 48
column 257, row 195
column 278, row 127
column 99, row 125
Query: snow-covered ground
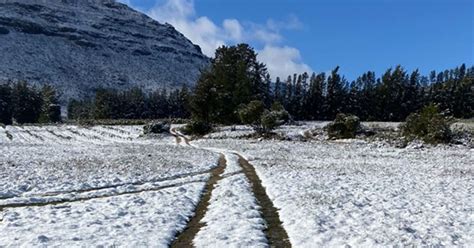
column 33, row 162
column 365, row 194
column 149, row 218
column 233, row 218
column 108, row 186
column 116, row 187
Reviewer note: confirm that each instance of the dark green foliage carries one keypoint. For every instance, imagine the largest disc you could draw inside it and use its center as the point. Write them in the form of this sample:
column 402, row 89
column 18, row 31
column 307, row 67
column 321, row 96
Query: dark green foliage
column 344, row 127
column 197, row 127
column 157, row 127
column 429, row 125
column 132, row 104
column 263, row 120
column 80, row 110
column 50, row 110
column 392, row 97
column 6, row 104
column 251, row 114
column 235, row 77
column 27, row 103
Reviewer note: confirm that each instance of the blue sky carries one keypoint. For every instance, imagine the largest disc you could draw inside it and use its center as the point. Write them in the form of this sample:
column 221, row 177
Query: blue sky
column 304, row 35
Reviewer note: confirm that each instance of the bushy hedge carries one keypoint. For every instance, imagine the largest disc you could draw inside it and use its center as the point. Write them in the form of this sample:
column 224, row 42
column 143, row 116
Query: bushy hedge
column 429, row 125
column 344, row 127
column 195, row 127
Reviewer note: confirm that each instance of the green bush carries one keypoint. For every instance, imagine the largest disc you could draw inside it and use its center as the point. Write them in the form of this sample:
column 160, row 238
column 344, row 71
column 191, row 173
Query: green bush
column 157, row 127
column 429, row 125
column 196, row 127
column 262, row 120
column 251, row 113
column 344, row 127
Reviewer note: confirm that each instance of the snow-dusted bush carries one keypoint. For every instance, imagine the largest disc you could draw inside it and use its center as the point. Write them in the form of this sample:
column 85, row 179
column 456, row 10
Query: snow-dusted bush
column 429, row 125
column 262, row 120
column 195, row 127
column 156, row 127
column 344, row 127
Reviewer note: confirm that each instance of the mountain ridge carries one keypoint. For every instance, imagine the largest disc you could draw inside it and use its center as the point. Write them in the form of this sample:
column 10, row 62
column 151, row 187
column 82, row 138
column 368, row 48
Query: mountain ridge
column 80, row 46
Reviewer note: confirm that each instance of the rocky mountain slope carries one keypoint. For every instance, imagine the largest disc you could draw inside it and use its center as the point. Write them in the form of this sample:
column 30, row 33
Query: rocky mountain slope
column 81, row 45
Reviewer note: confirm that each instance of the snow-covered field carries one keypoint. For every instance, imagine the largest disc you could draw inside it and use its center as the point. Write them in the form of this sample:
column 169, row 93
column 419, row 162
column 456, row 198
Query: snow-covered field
column 117, row 187
column 108, row 186
column 332, row 194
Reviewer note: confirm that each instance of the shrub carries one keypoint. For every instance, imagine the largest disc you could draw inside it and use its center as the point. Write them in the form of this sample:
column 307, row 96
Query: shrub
column 157, row 127
column 262, row 120
column 251, row 113
column 344, row 127
column 196, row 127
column 429, row 125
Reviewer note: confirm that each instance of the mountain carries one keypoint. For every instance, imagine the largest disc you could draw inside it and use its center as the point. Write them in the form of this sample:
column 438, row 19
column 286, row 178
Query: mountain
column 81, row 45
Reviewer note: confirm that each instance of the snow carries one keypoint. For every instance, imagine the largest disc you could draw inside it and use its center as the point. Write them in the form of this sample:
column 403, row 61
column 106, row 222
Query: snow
column 144, row 219
column 30, row 165
column 233, row 218
column 109, row 186
column 102, row 186
column 365, row 194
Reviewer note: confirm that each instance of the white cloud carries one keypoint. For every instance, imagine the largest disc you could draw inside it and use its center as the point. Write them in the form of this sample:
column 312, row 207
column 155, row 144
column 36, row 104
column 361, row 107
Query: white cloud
column 208, row 35
column 283, row 61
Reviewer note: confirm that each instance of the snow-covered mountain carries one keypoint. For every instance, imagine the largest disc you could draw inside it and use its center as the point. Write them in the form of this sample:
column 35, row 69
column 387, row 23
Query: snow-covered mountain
column 81, row 45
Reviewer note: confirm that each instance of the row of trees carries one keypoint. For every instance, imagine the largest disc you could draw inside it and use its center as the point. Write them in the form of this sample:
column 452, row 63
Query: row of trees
column 131, row 104
column 235, row 78
column 25, row 103
column 391, row 97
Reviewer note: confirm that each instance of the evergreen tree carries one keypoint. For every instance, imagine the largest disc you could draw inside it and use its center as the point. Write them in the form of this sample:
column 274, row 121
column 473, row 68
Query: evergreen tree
column 27, row 102
column 50, row 110
column 335, row 96
column 6, row 104
column 235, row 77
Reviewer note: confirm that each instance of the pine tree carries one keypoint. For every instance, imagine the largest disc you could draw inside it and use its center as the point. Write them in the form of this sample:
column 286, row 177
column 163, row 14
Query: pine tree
column 335, row 96
column 26, row 102
column 6, row 104
column 235, row 77
column 50, row 109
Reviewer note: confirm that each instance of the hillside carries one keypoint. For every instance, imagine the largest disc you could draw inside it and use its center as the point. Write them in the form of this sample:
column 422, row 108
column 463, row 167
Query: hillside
column 79, row 46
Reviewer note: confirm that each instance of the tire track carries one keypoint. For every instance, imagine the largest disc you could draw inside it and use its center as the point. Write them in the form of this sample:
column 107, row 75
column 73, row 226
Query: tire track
column 113, row 186
column 274, row 232
column 186, row 237
column 58, row 201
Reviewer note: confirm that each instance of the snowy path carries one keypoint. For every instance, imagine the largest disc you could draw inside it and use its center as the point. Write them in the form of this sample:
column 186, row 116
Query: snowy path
column 235, row 210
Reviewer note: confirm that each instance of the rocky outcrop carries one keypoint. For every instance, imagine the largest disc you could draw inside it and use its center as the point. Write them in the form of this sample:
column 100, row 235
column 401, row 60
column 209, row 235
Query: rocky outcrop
column 81, row 45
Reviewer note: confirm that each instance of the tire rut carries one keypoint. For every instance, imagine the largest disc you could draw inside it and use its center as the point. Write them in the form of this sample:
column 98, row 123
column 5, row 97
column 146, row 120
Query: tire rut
column 186, row 237
column 54, row 202
column 276, row 234
column 112, row 186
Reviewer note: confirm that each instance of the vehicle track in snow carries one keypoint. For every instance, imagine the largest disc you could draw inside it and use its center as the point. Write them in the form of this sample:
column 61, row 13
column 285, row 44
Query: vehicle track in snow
column 276, row 234
column 59, row 200
column 274, row 231
column 185, row 238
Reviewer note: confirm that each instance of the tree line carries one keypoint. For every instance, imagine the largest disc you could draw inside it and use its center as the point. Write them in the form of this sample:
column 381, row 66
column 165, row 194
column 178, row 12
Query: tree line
column 235, row 78
column 131, row 104
column 25, row 103
column 391, row 97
